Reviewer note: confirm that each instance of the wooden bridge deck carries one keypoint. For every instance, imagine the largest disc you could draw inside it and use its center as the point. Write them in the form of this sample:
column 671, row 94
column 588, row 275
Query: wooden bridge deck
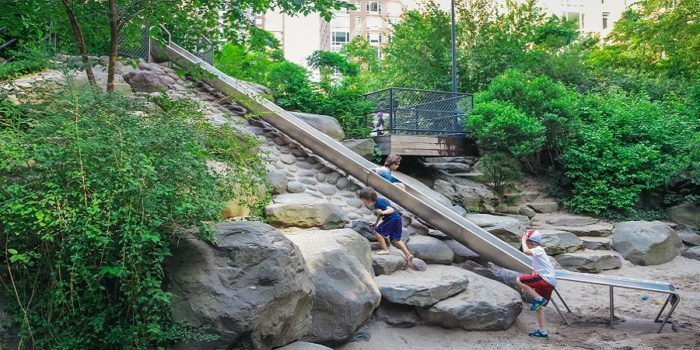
column 436, row 146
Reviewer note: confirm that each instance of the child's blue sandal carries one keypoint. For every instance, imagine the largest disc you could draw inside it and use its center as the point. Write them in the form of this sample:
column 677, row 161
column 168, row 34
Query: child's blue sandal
column 539, row 334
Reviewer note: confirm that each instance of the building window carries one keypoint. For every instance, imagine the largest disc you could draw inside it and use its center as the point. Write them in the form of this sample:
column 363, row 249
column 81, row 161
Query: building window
column 374, row 6
column 374, row 22
column 374, row 38
column 358, row 22
column 606, row 15
column 339, row 38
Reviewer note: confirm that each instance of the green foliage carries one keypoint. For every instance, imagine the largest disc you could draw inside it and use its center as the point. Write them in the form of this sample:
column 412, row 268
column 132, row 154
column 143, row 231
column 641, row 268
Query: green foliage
column 291, row 87
column 28, row 60
column 93, row 187
column 625, row 146
column 501, row 171
column 330, row 62
column 500, row 127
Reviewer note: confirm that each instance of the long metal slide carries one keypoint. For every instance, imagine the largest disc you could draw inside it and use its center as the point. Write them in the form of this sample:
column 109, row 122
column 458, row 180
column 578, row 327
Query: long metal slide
column 442, row 218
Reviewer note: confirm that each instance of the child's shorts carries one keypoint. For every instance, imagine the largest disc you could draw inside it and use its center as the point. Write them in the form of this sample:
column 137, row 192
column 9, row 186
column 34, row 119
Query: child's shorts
column 390, row 228
column 542, row 287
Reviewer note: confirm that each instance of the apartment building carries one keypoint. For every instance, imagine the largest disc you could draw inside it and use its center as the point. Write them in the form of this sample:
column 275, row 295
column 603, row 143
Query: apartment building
column 373, row 19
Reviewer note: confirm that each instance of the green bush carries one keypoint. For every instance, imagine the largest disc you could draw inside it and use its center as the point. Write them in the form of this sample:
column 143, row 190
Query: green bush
column 624, row 146
column 500, row 127
column 501, row 171
column 25, row 61
column 93, row 187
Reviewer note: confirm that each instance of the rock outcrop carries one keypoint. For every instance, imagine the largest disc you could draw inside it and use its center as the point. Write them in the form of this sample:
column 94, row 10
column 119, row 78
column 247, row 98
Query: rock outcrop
column 302, row 345
column 592, row 261
column 423, row 288
column 558, row 242
column 686, row 213
column 363, row 147
column 326, row 124
column 431, row 250
column 388, row 263
column 576, row 224
column 340, row 264
column 397, row 315
column 485, row 306
column 305, row 211
column 461, row 252
column 251, row 287
column 646, row 243
column 692, row 253
column 473, row 196
column 506, row 228
column 149, row 78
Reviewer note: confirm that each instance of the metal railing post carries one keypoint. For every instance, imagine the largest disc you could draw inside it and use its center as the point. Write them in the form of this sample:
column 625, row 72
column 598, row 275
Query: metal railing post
column 391, row 110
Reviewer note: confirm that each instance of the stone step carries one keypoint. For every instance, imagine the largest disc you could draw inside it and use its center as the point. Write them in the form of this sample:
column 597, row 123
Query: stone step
column 544, row 207
column 559, row 242
column 388, row 263
column 591, row 261
column 425, row 288
column 578, row 225
column 596, row 243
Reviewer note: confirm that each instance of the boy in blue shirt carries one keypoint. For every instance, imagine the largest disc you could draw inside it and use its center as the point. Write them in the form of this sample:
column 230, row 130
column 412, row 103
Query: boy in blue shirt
column 391, row 163
column 390, row 227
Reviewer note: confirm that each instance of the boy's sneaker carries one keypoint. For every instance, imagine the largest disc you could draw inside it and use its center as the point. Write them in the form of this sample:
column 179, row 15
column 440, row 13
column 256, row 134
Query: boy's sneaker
column 537, row 303
column 539, row 334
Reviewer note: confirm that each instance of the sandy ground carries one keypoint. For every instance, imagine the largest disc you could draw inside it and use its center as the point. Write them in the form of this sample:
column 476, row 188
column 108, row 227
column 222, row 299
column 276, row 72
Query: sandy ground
column 588, row 323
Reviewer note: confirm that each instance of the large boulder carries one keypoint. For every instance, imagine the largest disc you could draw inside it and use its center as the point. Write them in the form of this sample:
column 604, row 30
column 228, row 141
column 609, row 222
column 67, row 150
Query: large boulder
column 305, row 211
column 363, row 147
column 278, row 180
column 461, row 252
column 506, row 228
column 251, row 287
column 431, row 250
column 686, row 213
column 340, row 263
column 473, row 196
column 576, row 224
column 494, row 272
column 591, row 261
column 323, row 123
column 386, row 264
column 485, row 306
column 397, row 315
column 692, row 253
column 423, row 288
column 645, row 242
column 689, row 236
column 558, row 242
column 152, row 80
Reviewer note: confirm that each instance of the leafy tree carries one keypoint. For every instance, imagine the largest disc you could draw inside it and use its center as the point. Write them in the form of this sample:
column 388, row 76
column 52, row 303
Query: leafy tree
column 360, row 52
column 330, row 62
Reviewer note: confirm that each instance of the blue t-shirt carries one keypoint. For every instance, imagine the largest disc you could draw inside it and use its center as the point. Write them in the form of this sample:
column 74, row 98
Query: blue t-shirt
column 387, row 175
column 383, row 204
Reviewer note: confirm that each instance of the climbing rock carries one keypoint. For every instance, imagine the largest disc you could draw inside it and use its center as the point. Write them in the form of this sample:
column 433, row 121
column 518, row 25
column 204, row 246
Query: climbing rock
column 438, row 234
column 461, row 252
column 363, row 147
column 397, row 315
column 278, row 179
column 506, row 228
column 689, row 237
column 596, row 243
column 485, row 306
column 302, row 345
column 327, row 189
column 295, row 187
column 544, row 207
column 364, row 229
column 578, row 225
column 257, row 88
column 251, row 288
column 409, row 287
column 474, row 196
column 646, row 243
column 323, row 123
column 494, row 272
column 527, row 211
column 686, row 213
column 388, row 263
column 304, row 210
column 592, row 261
column 558, row 242
column 431, row 250
column 148, row 81
column 692, row 253
column 340, row 264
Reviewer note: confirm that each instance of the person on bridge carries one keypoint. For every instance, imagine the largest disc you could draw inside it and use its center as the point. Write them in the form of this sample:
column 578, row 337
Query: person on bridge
column 541, row 283
column 391, row 163
column 378, row 125
column 390, row 227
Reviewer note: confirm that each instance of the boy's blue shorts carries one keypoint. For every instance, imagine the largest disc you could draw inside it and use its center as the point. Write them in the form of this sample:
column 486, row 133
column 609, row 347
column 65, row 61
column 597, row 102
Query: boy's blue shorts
column 390, row 228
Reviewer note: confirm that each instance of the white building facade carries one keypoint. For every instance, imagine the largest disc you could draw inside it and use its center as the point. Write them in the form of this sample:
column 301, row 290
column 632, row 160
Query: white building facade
column 301, row 35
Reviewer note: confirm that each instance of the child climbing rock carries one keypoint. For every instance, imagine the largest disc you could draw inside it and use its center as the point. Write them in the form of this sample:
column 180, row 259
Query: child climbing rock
column 541, row 283
column 390, row 227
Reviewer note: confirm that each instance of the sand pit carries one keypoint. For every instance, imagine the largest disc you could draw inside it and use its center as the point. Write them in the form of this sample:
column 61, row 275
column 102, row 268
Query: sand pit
column 589, row 320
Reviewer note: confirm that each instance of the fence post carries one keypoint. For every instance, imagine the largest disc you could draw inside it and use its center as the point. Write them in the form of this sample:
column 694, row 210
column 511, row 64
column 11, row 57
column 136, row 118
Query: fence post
column 391, row 110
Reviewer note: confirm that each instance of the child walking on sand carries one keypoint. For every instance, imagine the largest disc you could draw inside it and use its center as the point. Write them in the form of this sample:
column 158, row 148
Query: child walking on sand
column 390, row 227
column 541, row 283
column 391, row 163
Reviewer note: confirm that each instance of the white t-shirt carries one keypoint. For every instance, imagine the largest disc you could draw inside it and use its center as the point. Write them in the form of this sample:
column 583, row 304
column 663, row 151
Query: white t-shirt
column 542, row 266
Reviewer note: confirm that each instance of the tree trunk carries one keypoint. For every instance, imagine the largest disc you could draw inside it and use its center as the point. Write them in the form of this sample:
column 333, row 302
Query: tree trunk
column 114, row 31
column 79, row 41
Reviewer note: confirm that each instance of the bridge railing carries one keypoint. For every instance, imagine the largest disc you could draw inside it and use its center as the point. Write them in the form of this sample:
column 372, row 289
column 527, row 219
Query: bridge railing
column 422, row 112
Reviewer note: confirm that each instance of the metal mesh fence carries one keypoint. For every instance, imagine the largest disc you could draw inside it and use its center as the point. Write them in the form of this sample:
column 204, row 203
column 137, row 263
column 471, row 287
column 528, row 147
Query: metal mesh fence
column 422, row 112
column 134, row 43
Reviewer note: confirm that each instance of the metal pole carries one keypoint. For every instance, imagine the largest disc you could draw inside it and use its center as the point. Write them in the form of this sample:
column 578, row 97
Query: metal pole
column 612, row 307
column 454, row 52
column 391, row 111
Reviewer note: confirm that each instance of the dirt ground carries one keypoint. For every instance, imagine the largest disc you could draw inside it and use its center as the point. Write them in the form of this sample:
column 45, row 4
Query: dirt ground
column 588, row 323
